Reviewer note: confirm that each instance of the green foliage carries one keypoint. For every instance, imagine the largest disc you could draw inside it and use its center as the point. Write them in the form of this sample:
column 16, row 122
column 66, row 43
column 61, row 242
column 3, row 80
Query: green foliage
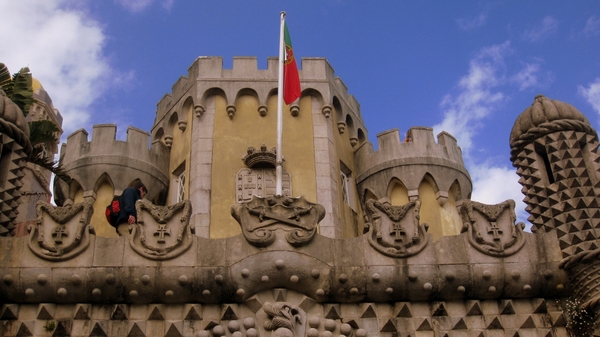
column 581, row 322
column 19, row 89
column 50, row 326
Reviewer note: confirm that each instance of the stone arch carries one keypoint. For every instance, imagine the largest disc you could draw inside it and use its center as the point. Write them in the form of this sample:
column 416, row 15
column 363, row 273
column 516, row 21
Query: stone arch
column 158, row 134
column 104, row 190
column 187, row 109
column 243, row 104
column 339, row 112
column 397, row 192
column 430, row 208
column 451, row 219
column 362, row 138
column 351, row 130
column 214, row 91
column 369, row 195
column 313, row 93
column 103, row 180
column 75, row 191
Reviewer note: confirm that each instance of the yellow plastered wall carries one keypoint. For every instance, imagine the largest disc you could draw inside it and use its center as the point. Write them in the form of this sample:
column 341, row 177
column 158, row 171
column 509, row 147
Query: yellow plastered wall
column 231, row 139
column 430, row 210
column 78, row 196
column 398, row 194
column 180, row 153
column 351, row 223
column 104, row 196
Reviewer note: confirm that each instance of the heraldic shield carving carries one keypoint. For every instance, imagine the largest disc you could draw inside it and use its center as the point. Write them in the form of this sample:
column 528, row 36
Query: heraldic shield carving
column 491, row 228
column 60, row 233
column 396, row 231
column 161, row 232
column 260, row 218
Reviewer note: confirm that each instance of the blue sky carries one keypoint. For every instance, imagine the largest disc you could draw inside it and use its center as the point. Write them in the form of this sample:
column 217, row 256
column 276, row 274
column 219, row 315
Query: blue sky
column 468, row 67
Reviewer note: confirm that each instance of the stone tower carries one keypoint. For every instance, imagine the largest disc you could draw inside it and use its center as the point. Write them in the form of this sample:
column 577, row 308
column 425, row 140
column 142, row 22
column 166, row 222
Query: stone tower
column 555, row 151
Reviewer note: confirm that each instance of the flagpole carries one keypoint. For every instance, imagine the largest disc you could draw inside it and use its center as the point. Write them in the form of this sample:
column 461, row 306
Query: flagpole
column 279, row 159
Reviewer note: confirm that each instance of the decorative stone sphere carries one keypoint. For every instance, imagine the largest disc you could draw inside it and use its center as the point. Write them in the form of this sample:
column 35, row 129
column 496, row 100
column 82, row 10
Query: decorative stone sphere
column 76, row 279
column 8, row 279
column 320, row 292
column 218, row 330
column 183, row 280
column 389, row 290
column 327, row 334
column 245, row 273
column 251, row 333
column 248, row 323
column 233, row 326
column 42, row 279
column 427, row 286
column 461, row 289
column 236, row 334
column 29, row 292
column 264, row 278
column 315, row 273
column 205, row 292
column 312, row 332
column 294, row 279
column 283, row 332
column 346, row 329
column 145, row 279
column 329, row 325
column 169, row 293
column 240, row 292
column 361, row 333
column 279, row 264
column 133, row 294
column 109, row 278
column 61, row 292
column 96, row 292
column 314, row 322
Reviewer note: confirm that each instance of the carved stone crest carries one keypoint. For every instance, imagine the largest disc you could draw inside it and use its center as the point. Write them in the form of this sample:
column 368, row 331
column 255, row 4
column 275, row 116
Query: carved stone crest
column 396, row 231
column 60, row 233
column 261, row 217
column 161, row 232
column 259, row 182
column 284, row 319
column 491, row 228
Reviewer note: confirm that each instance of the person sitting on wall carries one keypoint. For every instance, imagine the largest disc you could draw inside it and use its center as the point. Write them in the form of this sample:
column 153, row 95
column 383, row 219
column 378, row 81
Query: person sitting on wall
column 128, row 214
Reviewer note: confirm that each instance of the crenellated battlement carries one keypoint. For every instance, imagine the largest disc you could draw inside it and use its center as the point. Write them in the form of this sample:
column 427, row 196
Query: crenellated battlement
column 86, row 160
column 418, row 143
column 411, row 160
column 208, row 73
column 104, row 142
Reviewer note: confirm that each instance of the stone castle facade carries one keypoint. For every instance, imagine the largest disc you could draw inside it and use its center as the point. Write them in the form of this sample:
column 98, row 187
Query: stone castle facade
column 382, row 242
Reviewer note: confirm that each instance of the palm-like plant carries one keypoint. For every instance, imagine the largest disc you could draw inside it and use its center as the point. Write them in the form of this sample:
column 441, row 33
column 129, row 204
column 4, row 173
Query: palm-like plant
column 19, row 89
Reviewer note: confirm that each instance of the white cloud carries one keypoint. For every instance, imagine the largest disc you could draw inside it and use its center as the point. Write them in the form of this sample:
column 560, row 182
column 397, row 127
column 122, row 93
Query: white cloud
column 136, row 6
column 63, row 48
column 527, row 77
column 592, row 94
column 462, row 112
column 547, row 27
column 472, row 23
column 592, row 27
column 493, row 185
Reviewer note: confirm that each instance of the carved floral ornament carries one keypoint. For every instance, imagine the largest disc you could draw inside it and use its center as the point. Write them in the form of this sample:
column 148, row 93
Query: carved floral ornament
column 262, row 218
column 161, row 232
column 396, row 231
column 491, row 228
column 60, row 233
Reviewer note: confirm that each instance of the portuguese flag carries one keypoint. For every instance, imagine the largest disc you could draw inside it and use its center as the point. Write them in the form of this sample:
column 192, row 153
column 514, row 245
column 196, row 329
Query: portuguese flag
column 291, row 79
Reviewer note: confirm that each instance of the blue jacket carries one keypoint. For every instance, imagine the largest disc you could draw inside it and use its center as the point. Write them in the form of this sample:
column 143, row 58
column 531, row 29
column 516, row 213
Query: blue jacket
column 127, row 202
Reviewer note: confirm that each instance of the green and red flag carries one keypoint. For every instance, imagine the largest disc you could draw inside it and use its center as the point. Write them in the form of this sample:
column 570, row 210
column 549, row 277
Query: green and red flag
column 291, row 79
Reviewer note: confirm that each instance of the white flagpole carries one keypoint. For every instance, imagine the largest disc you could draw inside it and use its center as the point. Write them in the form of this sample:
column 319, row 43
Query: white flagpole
column 278, row 168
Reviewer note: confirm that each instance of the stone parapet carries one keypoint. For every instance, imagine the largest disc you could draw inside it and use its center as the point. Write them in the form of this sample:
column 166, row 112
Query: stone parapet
column 86, row 160
column 411, row 159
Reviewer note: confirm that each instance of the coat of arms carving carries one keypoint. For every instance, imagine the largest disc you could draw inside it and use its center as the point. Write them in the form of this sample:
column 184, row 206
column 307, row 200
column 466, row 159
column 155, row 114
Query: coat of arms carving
column 491, row 228
column 60, row 233
column 161, row 232
column 262, row 217
column 396, row 231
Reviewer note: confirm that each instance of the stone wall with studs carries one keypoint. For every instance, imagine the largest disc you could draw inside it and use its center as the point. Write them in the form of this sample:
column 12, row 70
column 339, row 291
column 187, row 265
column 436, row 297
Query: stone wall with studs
column 280, row 277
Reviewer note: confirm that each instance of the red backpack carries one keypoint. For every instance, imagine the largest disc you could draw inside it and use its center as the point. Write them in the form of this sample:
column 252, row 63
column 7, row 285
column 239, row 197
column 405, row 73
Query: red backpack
column 112, row 211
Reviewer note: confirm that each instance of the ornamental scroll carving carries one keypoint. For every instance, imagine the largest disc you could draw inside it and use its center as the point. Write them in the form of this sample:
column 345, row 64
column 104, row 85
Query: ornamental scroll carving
column 260, row 218
column 396, row 231
column 60, row 233
column 161, row 232
column 491, row 228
